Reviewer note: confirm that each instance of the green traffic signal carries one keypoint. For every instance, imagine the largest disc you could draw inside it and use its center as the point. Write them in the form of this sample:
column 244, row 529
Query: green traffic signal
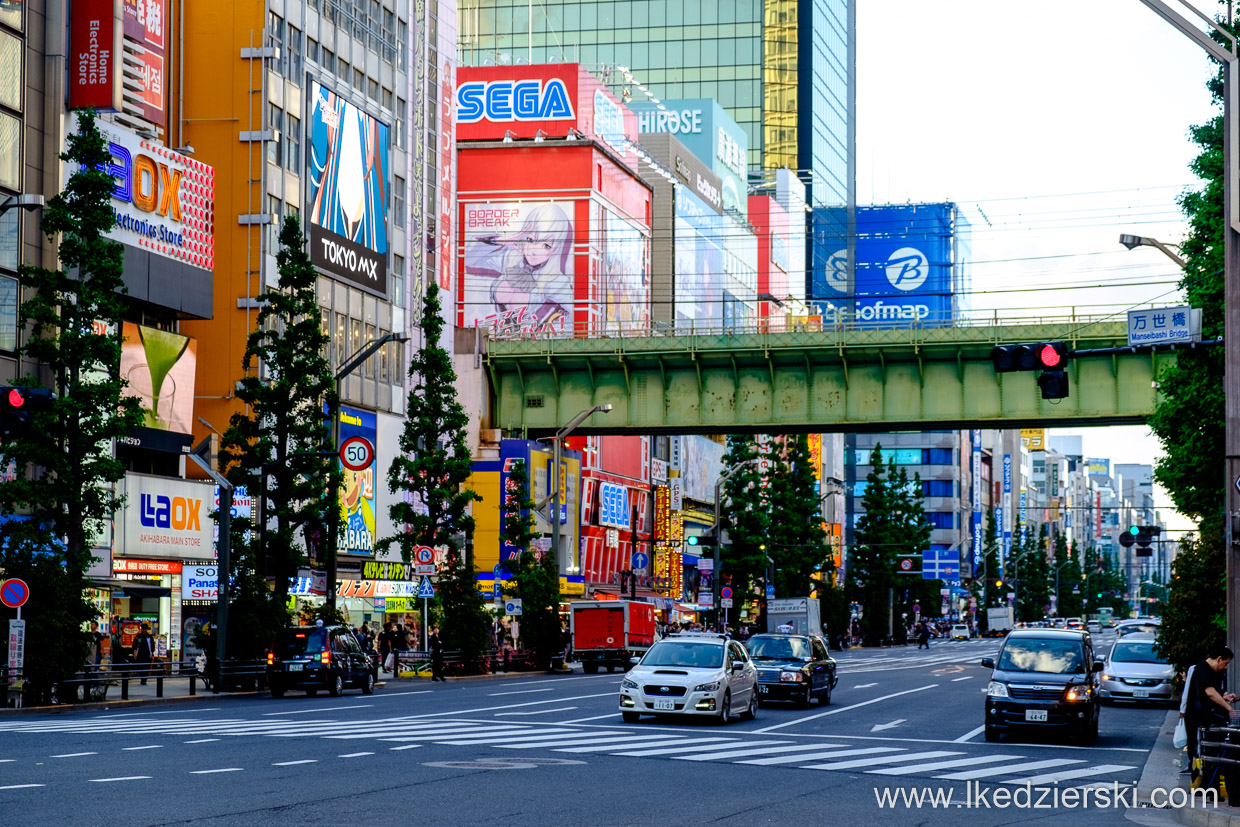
column 1134, row 530
column 693, row 540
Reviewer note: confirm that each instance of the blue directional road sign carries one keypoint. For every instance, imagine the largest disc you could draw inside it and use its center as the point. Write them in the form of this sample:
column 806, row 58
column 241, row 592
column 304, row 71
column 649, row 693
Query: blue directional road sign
column 770, row 592
column 425, row 589
column 640, row 559
column 940, row 564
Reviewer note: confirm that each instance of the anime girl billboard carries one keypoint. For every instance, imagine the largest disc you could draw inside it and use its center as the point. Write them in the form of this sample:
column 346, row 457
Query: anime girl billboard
column 519, row 267
column 348, row 191
column 625, row 283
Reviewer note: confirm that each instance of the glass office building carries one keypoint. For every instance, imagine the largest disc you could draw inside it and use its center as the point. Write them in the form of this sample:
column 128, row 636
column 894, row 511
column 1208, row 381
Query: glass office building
column 783, row 69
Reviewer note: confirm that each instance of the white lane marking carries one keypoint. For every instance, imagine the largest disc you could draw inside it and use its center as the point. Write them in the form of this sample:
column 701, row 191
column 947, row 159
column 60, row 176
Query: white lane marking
column 1011, row 768
column 113, row 715
column 789, row 759
column 970, row 735
column 121, row 778
column 536, row 711
column 295, row 763
column 864, row 685
column 691, row 745
column 354, row 754
column 889, row 725
column 518, row 706
column 406, row 746
column 212, row 772
column 521, row 692
column 201, row 741
column 580, row 720
column 74, row 754
column 1067, row 775
column 783, row 747
column 21, row 786
column 558, row 680
column 946, row 765
column 837, row 710
column 7, row 760
column 965, row 678
column 400, row 694
column 148, row 746
column 887, row 759
column 318, row 709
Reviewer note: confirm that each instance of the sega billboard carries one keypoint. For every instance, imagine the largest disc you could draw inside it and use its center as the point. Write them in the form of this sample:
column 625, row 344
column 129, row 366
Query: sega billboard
column 494, row 102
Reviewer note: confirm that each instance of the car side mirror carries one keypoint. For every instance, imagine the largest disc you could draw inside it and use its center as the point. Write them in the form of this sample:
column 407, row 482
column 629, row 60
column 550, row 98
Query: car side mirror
column 1097, row 666
column 989, row 663
column 738, row 666
column 635, row 661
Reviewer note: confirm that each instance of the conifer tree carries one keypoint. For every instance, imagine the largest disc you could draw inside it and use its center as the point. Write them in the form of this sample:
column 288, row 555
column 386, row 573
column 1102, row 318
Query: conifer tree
column 744, row 516
column 797, row 542
column 535, row 575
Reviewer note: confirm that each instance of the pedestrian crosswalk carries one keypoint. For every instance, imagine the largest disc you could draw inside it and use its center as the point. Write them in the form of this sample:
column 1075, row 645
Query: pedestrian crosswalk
column 953, row 762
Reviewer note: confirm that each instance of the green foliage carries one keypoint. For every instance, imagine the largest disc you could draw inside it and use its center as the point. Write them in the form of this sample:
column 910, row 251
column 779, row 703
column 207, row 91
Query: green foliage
column 797, row 542
column 1032, row 572
column 894, row 524
column 1195, row 613
column 66, row 465
column 286, row 380
column 1071, row 604
column 835, row 610
column 537, row 581
column 254, row 617
column 432, row 468
column 744, row 516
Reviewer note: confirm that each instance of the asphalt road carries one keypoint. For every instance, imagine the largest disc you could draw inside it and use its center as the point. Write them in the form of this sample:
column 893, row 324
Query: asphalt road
column 539, row 749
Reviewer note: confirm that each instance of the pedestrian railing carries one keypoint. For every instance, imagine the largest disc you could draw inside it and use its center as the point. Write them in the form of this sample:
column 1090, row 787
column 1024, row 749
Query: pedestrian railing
column 96, row 682
column 415, row 663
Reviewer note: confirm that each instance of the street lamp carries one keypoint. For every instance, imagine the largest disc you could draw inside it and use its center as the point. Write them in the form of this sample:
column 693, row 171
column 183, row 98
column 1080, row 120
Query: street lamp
column 714, row 578
column 554, row 496
column 1226, row 55
column 1134, row 241
column 25, row 201
column 353, row 363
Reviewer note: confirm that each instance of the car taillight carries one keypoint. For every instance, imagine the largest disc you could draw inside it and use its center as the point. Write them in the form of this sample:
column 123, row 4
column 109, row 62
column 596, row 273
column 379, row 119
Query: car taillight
column 326, row 657
column 271, row 658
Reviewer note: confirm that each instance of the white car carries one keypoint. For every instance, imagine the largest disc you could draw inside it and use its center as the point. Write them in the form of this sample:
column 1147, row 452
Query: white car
column 960, row 632
column 691, row 675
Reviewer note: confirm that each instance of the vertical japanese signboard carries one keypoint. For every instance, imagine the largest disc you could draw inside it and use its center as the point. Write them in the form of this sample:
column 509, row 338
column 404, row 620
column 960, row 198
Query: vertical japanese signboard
column 146, row 25
column 662, row 514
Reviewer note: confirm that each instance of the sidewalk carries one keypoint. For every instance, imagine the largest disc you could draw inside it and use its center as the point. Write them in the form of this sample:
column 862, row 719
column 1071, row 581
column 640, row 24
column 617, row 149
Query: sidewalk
column 1162, row 771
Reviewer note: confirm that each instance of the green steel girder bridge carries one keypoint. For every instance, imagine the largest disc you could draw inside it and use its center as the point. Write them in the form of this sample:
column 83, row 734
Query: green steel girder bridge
column 835, row 379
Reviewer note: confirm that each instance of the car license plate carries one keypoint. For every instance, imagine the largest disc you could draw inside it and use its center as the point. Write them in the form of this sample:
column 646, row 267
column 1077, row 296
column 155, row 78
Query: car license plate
column 295, row 667
column 664, row 704
column 1140, row 693
column 1035, row 714
column 762, row 690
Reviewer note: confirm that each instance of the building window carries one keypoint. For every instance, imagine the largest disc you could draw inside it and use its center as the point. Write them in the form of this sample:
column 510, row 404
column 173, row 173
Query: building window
column 396, row 284
column 275, row 28
column 402, row 44
column 368, row 370
column 9, row 239
column 275, row 207
column 325, row 325
column 398, row 206
column 355, row 335
column 10, row 71
column 340, row 340
column 312, row 51
column 10, row 151
column 292, row 144
column 8, row 314
column 359, row 80
column 372, row 89
column 936, row 488
column 329, row 59
column 275, row 121
column 294, row 53
column 941, row 519
column 384, row 356
column 387, row 99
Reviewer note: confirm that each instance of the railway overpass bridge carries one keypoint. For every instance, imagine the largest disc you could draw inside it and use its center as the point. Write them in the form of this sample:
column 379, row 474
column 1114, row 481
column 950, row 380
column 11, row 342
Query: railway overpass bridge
column 841, row 378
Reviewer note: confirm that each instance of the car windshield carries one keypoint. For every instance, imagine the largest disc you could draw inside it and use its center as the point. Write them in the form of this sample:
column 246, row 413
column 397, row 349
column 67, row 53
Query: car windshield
column 684, row 653
column 293, row 642
column 1139, row 627
column 778, row 648
column 1135, row 652
column 1035, row 654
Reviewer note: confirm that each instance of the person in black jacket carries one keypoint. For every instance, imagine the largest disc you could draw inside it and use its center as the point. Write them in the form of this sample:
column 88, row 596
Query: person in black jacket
column 436, row 655
column 144, row 651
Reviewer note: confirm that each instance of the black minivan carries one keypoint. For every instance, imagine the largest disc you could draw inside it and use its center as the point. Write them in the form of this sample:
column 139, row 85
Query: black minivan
column 1045, row 679
column 318, row 657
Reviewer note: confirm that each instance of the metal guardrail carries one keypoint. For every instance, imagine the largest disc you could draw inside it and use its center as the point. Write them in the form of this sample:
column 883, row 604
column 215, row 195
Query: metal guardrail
column 93, row 682
column 419, row 662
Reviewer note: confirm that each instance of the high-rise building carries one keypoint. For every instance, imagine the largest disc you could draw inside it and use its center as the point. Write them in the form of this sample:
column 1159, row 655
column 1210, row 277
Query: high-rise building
column 785, row 70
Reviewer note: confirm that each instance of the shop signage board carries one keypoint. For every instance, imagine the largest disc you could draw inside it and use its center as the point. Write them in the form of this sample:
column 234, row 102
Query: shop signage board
column 128, row 565
column 165, row 518
column 95, row 55
column 200, row 583
column 17, row 645
column 399, row 604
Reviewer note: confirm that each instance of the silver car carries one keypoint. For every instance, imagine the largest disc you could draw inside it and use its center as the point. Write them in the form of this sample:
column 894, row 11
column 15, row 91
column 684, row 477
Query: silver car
column 691, row 675
column 1133, row 671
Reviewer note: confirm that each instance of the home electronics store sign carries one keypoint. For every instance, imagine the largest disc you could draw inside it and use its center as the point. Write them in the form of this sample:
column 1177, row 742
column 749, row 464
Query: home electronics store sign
column 164, row 201
column 348, row 188
column 165, row 518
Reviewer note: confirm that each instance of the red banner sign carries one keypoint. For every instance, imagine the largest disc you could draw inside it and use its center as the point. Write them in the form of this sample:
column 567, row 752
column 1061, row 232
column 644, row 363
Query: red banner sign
column 95, row 55
column 131, row 566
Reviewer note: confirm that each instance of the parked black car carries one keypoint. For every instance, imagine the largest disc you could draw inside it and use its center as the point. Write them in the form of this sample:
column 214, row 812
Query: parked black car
column 1045, row 679
column 318, row 657
column 793, row 668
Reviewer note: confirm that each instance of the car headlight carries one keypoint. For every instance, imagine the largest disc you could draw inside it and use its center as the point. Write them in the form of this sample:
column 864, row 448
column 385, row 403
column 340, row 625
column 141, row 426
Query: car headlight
column 1077, row 693
column 791, row 677
column 1104, row 676
column 998, row 689
column 706, row 687
column 628, row 684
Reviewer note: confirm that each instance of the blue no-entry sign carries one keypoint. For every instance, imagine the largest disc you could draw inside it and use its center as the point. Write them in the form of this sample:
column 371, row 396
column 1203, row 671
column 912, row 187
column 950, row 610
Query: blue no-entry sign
column 425, row 589
column 14, row 593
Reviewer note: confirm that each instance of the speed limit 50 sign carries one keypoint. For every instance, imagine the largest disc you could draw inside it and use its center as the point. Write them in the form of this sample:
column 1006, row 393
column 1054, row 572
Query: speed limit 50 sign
column 357, row 453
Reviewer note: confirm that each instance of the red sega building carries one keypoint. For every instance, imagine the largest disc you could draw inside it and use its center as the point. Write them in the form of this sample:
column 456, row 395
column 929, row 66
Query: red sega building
column 554, row 240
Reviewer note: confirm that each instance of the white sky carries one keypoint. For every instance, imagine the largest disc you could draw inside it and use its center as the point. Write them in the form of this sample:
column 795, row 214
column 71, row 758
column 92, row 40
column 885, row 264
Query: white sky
column 1056, row 126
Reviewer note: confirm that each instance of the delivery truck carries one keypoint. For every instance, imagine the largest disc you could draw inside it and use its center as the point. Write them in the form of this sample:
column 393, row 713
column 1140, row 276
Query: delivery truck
column 801, row 613
column 998, row 621
column 610, row 632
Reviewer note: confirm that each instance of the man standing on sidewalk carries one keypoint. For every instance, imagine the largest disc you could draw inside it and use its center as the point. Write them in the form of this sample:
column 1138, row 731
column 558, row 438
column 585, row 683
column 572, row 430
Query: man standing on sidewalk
column 144, row 651
column 1209, row 704
column 436, row 655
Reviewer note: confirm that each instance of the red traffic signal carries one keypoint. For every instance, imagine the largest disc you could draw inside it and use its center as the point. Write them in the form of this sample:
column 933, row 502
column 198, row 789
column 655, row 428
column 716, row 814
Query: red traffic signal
column 1051, row 355
column 19, row 405
column 16, row 400
column 1037, row 356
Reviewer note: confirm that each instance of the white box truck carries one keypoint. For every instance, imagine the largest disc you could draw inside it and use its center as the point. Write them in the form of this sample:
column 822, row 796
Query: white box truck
column 801, row 613
column 998, row 621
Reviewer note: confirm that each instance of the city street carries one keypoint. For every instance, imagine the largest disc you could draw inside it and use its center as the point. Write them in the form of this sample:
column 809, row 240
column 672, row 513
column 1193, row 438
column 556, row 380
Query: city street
column 445, row 753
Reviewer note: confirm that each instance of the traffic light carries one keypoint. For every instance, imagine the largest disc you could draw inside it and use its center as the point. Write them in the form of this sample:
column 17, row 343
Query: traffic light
column 1048, row 357
column 1142, row 536
column 710, row 537
column 18, row 406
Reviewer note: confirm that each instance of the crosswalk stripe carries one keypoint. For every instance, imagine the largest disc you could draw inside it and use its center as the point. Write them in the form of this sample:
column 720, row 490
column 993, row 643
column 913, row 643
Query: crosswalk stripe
column 490, row 737
column 692, row 745
column 674, row 741
column 1067, row 775
column 779, row 747
column 1011, row 768
column 946, row 765
column 809, row 756
column 630, row 741
column 617, row 741
column 889, row 759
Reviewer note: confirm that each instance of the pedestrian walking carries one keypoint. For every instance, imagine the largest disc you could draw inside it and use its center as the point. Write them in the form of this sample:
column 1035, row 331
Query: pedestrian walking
column 385, row 646
column 144, row 651
column 436, row 648
column 923, row 636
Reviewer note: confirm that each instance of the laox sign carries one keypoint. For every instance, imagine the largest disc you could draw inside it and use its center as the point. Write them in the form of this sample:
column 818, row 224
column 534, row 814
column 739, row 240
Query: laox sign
column 181, row 513
column 144, row 182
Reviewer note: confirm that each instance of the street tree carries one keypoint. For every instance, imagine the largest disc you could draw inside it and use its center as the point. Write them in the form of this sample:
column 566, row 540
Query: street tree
column 1198, row 575
column 744, row 516
column 65, row 467
column 535, row 575
column 797, row 541
column 431, row 471
column 1032, row 574
column 1071, row 585
column 274, row 447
